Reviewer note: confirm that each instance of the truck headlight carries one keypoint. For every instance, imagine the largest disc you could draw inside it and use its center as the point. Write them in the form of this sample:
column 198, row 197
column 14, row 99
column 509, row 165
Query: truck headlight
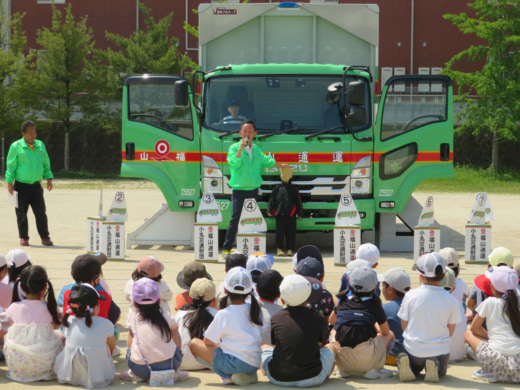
column 212, row 176
column 361, row 177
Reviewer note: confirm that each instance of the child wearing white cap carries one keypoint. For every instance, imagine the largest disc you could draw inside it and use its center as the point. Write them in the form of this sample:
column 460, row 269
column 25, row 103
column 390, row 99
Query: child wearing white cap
column 6, row 289
column 396, row 283
column 429, row 315
column 300, row 357
column 232, row 342
column 498, row 347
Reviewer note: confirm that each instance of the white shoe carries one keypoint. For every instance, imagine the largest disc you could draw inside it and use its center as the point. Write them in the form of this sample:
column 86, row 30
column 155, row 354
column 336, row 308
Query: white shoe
column 432, row 370
column 128, row 375
column 377, row 373
column 181, row 376
column 116, row 351
column 482, row 375
column 403, row 364
column 341, row 374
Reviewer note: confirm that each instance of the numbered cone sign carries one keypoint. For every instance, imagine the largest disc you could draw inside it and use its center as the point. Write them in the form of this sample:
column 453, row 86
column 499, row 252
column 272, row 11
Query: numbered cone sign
column 251, row 220
column 117, row 211
column 209, row 211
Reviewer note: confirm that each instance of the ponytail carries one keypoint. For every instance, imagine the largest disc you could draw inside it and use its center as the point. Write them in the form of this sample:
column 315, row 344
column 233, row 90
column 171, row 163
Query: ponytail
column 16, row 288
column 255, row 313
column 198, row 320
column 52, row 305
column 80, row 311
column 511, row 309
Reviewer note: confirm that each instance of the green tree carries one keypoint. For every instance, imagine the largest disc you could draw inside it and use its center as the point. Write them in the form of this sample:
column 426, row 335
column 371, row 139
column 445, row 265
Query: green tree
column 60, row 85
column 12, row 44
column 145, row 51
column 497, row 85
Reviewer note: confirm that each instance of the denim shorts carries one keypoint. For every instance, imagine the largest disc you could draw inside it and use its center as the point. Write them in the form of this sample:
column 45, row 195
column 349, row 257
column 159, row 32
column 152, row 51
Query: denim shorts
column 226, row 365
column 142, row 370
column 327, row 363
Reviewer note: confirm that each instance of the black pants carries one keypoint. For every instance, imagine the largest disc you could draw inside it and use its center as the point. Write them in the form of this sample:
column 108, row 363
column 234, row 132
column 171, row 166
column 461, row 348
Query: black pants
column 31, row 195
column 237, row 201
column 286, row 227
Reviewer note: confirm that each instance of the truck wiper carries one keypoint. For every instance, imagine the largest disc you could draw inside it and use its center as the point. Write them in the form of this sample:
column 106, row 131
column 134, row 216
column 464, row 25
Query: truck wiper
column 286, row 131
column 323, row 132
column 228, row 133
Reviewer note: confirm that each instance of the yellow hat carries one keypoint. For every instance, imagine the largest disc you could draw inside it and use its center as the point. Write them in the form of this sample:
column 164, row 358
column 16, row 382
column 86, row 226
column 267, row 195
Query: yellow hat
column 286, row 174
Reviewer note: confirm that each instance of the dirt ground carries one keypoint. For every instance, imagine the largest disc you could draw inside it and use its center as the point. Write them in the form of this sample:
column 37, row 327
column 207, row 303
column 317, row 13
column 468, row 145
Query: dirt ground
column 70, row 203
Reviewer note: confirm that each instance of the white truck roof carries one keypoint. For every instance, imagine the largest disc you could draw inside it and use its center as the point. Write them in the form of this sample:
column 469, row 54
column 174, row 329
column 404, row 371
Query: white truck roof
column 250, row 33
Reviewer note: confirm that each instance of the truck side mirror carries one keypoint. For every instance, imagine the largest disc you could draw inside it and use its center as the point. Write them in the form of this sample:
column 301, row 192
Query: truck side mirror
column 357, row 116
column 180, row 92
column 356, row 93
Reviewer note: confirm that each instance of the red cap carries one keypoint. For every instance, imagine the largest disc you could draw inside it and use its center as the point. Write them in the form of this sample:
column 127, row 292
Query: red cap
column 484, row 284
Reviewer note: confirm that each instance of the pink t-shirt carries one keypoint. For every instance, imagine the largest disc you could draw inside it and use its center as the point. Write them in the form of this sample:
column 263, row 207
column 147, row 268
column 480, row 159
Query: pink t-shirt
column 153, row 345
column 6, row 293
column 29, row 312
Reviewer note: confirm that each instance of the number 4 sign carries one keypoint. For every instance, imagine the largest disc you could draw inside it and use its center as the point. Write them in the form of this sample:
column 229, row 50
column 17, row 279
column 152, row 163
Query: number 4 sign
column 251, row 220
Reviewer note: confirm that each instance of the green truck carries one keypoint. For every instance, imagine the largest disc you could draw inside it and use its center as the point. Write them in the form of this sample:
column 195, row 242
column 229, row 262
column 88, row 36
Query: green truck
column 307, row 75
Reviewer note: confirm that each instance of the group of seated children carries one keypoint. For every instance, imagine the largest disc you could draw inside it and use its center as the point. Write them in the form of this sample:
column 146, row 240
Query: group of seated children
column 289, row 327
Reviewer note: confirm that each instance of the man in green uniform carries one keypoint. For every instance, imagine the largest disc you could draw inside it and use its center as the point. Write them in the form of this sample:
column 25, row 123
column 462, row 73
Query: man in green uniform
column 27, row 164
column 246, row 163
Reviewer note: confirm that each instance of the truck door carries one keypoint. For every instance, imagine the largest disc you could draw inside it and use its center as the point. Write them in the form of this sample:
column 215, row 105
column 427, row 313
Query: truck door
column 160, row 141
column 413, row 138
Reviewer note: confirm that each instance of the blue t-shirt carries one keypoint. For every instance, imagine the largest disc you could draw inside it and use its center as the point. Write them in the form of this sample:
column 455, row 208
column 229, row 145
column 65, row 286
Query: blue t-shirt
column 68, row 287
column 394, row 322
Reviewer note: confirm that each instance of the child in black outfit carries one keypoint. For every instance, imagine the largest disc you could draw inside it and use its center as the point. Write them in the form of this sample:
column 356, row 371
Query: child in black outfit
column 285, row 205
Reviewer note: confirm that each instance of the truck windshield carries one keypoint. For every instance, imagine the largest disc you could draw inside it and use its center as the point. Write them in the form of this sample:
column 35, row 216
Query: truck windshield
column 275, row 103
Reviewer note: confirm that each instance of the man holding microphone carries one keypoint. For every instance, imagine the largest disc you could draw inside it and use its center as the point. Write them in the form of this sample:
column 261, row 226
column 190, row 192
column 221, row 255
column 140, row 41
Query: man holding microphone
column 246, row 163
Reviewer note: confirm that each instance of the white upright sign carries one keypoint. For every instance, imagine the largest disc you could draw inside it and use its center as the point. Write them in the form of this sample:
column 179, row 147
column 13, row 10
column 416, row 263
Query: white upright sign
column 206, row 242
column 426, row 239
column 477, row 245
column 251, row 243
column 251, row 220
column 113, row 240
column 347, row 214
column 94, row 241
column 427, row 218
column 208, row 209
column 117, row 211
column 346, row 242
column 481, row 211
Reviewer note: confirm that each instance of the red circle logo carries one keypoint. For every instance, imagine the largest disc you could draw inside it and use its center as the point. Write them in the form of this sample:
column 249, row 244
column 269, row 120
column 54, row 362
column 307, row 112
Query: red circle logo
column 162, row 148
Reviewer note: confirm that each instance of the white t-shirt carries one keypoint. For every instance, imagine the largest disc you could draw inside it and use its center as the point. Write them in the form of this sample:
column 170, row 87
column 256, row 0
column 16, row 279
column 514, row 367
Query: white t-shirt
column 236, row 334
column 461, row 289
column 428, row 310
column 457, row 345
column 502, row 339
column 188, row 360
column 152, row 345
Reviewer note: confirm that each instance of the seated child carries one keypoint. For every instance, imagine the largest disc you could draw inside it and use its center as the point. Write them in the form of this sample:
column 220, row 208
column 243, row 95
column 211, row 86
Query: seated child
column 396, row 283
column 300, row 356
column 17, row 260
column 149, row 267
column 191, row 272
column 86, row 360
column 6, row 290
column 268, row 288
column 498, row 347
column 232, row 341
column 361, row 330
column 31, row 344
column 234, row 259
column 154, row 343
column 429, row 315
column 368, row 252
column 194, row 319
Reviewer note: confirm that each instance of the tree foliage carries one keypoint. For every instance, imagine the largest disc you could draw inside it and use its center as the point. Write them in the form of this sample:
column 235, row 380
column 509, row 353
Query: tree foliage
column 145, row 51
column 491, row 94
column 12, row 45
column 60, row 84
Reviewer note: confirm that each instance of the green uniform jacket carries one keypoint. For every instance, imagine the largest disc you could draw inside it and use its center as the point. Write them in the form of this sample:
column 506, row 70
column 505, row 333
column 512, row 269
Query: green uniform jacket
column 246, row 172
column 26, row 166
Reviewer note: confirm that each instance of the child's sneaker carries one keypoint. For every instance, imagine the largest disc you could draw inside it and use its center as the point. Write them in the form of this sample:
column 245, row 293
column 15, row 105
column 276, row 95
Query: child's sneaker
column 470, row 353
column 181, row 375
column 128, row 375
column 403, row 364
column 243, row 379
column 432, row 370
column 482, row 375
column 341, row 374
column 116, row 351
column 226, row 381
column 377, row 373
